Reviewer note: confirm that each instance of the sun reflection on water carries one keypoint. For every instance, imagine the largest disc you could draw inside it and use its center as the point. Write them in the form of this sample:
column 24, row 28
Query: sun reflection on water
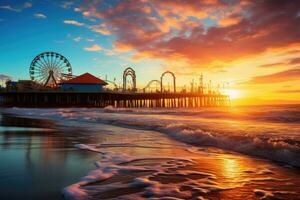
column 231, row 168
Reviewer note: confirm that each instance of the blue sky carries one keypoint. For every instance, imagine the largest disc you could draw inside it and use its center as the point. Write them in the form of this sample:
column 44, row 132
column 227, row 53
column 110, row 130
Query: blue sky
column 30, row 27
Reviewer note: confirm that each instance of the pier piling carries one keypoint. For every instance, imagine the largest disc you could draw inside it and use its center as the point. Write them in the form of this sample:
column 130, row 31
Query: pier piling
column 103, row 99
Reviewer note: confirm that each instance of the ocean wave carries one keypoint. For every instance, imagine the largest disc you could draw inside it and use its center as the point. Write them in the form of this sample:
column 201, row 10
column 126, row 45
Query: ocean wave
column 271, row 143
column 287, row 114
column 276, row 148
column 275, row 142
column 281, row 144
column 269, row 148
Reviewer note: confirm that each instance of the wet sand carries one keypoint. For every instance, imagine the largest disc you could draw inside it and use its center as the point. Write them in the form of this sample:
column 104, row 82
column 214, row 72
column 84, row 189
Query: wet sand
column 37, row 162
column 187, row 172
column 130, row 164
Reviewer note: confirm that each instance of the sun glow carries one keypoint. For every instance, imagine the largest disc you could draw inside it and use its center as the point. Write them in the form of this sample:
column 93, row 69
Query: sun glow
column 232, row 93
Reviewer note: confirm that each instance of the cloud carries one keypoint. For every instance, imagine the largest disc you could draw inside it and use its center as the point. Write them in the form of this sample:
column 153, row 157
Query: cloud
column 95, row 47
column 122, row 47
column 288, row 91
column 102, row 29
column 27, row 5
column 77, row 9
column 40, row 15
column 77, row 39
column 199, row 32
column 283, row 76
column 294, row 61
column 109, row 52
column 4, row 77
column 230, row 21
column 67, row 4
column 272, row 65
column 90, row 40
column 10, row 8
column 73, row 22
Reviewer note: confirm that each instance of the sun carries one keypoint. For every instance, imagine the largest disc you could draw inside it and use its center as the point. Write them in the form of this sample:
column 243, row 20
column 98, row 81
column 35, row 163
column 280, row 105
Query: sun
column 232, row 93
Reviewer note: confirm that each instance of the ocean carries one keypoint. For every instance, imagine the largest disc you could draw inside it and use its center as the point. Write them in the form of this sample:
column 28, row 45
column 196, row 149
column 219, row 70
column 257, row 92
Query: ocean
column 248, row 152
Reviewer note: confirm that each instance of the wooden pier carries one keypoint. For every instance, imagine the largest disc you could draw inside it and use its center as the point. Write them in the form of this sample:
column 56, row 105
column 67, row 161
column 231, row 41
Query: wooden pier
column 116, row 99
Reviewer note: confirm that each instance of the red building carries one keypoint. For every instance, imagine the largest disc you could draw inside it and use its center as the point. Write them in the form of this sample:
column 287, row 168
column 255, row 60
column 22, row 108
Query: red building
column 84, row 83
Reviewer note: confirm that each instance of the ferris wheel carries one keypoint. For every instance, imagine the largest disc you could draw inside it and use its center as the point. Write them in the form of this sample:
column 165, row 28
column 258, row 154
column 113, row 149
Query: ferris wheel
column 50, row 68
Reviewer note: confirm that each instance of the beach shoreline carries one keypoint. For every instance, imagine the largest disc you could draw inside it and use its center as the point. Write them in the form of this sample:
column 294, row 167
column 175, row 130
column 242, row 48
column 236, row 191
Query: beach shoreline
column 121, row 157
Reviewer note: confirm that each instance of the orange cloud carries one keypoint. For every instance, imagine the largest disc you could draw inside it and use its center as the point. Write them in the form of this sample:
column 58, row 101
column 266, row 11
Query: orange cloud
column 122, row 47
column 230, row 21
column 222, row 39
column 294, row 61
column 283, row 76
column 95, row 47
column 272, row 65
column 162, row 29
column 102, row 29
column 288, row 91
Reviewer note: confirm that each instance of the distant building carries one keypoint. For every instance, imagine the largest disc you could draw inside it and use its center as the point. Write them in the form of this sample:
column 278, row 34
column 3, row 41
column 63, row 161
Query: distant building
column 27, row 85
column 11, row 85
column 2, row 88
column 22, row 85
column 83, row 83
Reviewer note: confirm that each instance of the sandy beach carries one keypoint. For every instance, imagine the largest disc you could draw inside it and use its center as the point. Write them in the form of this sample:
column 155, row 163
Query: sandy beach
column 98, row 154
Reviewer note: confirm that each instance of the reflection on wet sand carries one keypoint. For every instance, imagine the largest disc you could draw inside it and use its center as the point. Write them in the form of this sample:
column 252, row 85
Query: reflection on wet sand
column 36, row 162
column 231, row 168
column 185, row 172
column 130, row 164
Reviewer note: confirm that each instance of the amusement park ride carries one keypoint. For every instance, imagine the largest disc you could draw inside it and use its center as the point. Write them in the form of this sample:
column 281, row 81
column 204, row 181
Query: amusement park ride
column 50, row 68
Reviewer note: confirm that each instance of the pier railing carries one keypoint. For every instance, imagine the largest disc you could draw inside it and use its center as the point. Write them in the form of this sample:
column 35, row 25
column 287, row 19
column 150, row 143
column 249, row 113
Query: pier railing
column 116, row 99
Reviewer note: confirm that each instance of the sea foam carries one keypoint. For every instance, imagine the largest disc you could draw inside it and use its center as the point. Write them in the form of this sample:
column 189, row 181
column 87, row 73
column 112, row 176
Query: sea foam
column 141, row 177
column 219, row 128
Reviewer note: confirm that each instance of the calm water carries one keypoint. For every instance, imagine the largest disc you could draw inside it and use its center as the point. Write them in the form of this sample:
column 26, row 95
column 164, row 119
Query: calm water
column 237, row 153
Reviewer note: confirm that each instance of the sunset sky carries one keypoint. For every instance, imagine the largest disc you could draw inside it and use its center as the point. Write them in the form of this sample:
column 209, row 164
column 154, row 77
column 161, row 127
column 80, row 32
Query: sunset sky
column 254, row 47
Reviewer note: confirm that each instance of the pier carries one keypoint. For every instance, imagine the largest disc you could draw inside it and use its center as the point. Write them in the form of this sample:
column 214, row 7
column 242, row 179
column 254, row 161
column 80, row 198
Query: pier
column 110, row 98
column 52, row 84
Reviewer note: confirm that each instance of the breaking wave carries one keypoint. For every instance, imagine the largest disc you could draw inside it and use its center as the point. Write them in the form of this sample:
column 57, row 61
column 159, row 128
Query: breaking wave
column 278, row 114
column 265, row 144
column 274, row 141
